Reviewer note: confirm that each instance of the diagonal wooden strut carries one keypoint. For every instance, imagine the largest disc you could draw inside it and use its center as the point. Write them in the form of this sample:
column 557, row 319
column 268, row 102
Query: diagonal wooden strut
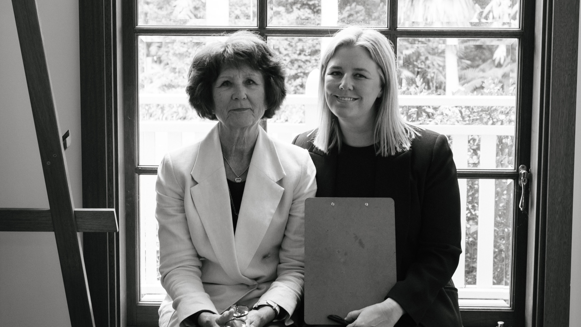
column 62, row 212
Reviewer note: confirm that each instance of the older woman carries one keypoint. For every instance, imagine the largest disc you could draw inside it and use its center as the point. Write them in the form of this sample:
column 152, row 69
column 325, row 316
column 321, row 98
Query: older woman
column 231, row 207
column 364, row 148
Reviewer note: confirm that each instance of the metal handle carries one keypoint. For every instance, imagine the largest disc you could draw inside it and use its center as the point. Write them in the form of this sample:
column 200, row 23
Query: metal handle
column 523, row 173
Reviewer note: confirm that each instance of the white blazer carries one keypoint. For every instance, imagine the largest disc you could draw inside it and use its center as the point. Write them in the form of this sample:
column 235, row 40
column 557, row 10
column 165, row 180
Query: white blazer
column 203, row 264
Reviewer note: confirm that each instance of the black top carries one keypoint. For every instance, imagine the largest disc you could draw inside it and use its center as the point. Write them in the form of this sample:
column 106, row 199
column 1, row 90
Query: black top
column 423, row 183
column 355, row 171
column 236, row 192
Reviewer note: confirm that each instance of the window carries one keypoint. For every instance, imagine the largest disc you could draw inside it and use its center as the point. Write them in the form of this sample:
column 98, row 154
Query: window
column 463, row 70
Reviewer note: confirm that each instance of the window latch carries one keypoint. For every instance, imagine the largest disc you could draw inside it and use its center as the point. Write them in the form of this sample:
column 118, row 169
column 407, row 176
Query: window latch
column 524, row 175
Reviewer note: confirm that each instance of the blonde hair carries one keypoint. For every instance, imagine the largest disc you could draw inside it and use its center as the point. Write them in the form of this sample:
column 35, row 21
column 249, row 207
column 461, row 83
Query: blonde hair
column 392, row 133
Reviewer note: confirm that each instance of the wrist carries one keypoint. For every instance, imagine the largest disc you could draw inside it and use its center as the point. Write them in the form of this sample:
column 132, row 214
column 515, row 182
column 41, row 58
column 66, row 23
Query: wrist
column 200, row 317
column 272, row 307
column 394, row 306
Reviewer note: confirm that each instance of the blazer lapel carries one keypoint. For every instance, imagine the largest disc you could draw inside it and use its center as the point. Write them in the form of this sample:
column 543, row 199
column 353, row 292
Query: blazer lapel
column 262, row 195
column 212, row 201
column 326, row 165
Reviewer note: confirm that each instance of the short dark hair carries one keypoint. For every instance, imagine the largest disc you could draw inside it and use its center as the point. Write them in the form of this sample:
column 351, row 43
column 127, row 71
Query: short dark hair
column 242, row 48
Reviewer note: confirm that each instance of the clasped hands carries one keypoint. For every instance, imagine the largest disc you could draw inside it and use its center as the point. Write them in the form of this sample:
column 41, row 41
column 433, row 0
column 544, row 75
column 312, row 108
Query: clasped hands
column 384, row 314
column 233, row 318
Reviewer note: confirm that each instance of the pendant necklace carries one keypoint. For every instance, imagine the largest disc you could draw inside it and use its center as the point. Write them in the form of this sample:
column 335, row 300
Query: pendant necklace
column 238, row 178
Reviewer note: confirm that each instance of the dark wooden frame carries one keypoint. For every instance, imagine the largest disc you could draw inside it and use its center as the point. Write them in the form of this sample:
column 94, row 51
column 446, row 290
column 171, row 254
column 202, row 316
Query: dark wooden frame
column 551, row 154
column 99, row 132
column 142, row 314
column 549, row 269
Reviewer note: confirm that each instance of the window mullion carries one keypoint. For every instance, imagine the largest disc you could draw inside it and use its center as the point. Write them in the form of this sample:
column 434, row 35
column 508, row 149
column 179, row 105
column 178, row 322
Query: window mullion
column 262, row 13
column 392, row 15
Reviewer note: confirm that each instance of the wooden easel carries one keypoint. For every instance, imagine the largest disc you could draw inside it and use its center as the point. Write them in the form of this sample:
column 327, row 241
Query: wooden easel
column 62, row 219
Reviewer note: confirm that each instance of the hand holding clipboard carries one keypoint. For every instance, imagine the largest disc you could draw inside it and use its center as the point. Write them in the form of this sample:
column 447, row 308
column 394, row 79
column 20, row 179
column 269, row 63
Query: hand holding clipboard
column 338, row 319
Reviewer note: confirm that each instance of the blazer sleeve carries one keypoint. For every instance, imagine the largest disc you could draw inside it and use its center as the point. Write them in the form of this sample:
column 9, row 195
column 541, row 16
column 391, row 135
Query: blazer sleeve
column 287, row 289
column 439, row 239
column 180, row 267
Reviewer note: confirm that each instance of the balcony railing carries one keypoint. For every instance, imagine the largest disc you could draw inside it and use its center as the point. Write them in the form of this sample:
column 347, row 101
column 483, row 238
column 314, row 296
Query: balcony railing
column 158, row 137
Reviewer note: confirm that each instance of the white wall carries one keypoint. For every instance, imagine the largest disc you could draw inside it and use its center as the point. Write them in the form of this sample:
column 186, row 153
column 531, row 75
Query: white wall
column 575, row 308
column 31, row 286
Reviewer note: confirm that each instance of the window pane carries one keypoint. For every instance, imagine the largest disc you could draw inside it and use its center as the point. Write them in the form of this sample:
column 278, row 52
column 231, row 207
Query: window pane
column 298, row 113
column 327, row 12
column 295, row 12
column 363, row 13
column 462, row 14
column 150, row 289
column 166, row 120
column 197, row 12
column 466, row 89
column 483, row 276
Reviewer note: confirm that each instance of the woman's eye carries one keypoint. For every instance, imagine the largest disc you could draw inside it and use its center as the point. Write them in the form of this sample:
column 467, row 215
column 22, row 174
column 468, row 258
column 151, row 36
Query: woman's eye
column 251, row 82
column 224, row 83
column 335, row 73
column 360, row 76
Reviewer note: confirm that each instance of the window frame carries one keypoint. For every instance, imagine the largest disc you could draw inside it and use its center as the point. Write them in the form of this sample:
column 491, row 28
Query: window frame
column 100, row 163
column 144, row 311
column 551, row 115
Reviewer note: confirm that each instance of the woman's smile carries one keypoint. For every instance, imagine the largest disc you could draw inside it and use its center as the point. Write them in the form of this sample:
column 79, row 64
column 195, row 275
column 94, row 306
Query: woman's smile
column 345, row 99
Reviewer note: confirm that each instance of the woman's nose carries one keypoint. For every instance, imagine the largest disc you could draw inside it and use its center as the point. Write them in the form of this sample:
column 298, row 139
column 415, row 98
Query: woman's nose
column 346, row 83
column 239, row 92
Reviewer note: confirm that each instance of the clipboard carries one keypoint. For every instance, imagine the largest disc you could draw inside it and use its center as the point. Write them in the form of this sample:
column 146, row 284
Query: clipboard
column 350, row 258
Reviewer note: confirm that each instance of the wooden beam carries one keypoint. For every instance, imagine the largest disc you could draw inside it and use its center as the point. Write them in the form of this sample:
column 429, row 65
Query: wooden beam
column 96, row 220
column 557, row 161
column 40, row 220
column 53, row 163
column 97, row 45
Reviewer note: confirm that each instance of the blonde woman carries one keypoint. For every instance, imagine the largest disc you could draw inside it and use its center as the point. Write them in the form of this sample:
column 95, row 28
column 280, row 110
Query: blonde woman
column 364, row 148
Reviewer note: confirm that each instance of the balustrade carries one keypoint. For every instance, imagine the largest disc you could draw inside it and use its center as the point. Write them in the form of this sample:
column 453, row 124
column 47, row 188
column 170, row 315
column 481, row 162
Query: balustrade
column 158, row 137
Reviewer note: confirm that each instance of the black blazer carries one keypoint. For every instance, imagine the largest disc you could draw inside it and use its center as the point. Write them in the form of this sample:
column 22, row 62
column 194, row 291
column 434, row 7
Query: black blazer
column 424, row 185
